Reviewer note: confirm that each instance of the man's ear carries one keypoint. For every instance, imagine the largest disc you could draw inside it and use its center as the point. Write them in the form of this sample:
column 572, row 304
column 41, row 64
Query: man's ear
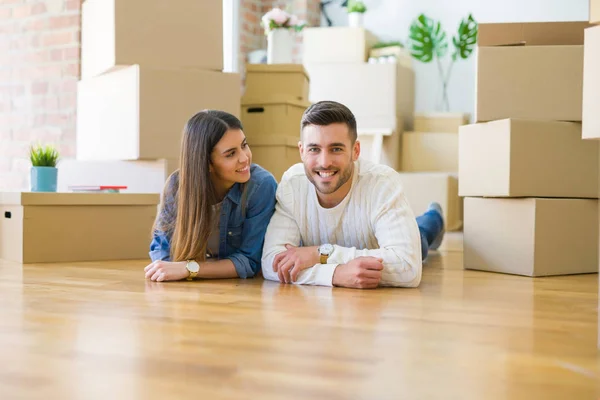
column 301, row 150
column 356, row 150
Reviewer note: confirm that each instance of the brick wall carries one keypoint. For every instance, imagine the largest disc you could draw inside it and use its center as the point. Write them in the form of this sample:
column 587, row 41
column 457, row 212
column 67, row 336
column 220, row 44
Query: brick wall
column 39, row 69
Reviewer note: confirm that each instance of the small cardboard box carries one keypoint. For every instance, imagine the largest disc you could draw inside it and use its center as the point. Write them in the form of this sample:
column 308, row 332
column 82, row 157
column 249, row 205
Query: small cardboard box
column 421, row 188
column 265, row 81
column 136, row 112
column 275, row 154
column 429, row 152
column 526, row 158
column 69, row 227
column 531, row 236
column 336, row 45
column 590, row 124
column 377, row 94
column 152, row 33
column 440, row 122
column 274, row 117
column 142, row 176
column 530, row 71
column 595, row 11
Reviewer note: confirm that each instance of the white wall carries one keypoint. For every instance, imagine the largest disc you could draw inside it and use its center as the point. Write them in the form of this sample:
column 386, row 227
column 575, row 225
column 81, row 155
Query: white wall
column 390, row 20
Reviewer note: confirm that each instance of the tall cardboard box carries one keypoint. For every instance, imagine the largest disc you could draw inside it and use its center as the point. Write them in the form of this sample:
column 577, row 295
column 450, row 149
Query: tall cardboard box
column 591, row 84
column 421, row 188
column 152, row 33
column 336, row 45
column 595, row 11
column 69, row 227
column 530, row 70
column 531, row 236
column 272, row 117
column 141, row 176
column 264, row 81
column 137, row 112
column 377, row 94
column 526, row 158
column 429, row 152
column 440, row 122
column 275, row 154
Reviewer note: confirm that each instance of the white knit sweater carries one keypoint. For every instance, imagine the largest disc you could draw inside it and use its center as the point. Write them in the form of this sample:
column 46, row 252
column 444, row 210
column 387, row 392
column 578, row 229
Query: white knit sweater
column 374, row 219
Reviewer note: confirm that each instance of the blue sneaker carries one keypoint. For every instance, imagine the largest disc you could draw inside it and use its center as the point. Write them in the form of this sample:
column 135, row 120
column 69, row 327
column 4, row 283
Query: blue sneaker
column 438, row 240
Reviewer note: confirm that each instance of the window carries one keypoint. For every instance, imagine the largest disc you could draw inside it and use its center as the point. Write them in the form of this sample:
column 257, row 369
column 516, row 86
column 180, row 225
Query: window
column 231, row 34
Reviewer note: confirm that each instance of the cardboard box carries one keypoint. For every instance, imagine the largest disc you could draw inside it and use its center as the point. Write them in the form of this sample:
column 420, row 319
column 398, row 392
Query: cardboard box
column 429, row 152
column 530, row 71
column 139, row 113
column 526, row 158
column 273, row 117
column 139, row 176
column 152, row 33
column 377, row 94
column 440, row 122
column 401, row 55
column 421, row 188
column 381, row 146
column 590, row 124
column 275, row 154
column 265, row 81
column 336, row 45
column 531, row 236
column 595, row 11
column 69, row 227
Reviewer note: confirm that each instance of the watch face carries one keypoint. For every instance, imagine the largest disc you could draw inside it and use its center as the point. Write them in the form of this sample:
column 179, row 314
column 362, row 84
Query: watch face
column 193, row 266
column 326, row 249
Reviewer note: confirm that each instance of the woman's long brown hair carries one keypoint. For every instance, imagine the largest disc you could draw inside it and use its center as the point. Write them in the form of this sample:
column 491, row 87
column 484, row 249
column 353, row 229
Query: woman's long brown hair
column 193, row 192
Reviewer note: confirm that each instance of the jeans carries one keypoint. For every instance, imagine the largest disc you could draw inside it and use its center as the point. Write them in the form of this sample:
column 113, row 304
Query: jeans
column 430, row 225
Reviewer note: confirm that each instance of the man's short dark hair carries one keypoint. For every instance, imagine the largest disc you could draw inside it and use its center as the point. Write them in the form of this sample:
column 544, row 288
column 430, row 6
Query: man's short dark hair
column 325, row 113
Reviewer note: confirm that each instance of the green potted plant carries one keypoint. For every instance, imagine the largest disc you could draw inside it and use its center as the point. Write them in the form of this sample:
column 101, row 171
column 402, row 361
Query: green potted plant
column 43, row 168
column 427, row 41
column 356, row 11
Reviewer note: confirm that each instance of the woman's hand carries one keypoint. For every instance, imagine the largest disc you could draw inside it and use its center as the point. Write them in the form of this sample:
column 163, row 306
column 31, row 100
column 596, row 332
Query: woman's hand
column 162, row 271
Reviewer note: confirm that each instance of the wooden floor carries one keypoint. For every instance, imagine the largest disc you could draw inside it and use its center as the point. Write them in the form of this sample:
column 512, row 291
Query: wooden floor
column 100, row 331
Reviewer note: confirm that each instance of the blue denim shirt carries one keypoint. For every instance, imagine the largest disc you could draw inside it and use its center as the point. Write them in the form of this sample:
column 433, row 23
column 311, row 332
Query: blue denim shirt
column 241, row 237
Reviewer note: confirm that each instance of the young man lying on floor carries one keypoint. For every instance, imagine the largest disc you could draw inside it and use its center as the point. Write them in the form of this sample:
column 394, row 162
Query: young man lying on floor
column 340, row 221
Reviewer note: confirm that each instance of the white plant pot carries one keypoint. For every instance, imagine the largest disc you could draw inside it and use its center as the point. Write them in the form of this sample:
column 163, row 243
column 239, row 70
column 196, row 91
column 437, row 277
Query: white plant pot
column 280, row 45
column 356, row 20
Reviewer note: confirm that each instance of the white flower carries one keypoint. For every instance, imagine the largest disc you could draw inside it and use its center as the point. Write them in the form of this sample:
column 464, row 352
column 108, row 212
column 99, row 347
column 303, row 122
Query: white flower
column 276, row 15
column 293, row 21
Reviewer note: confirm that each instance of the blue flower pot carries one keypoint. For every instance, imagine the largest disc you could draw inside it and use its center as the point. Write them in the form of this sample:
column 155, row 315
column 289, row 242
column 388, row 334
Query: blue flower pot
column 43, row 179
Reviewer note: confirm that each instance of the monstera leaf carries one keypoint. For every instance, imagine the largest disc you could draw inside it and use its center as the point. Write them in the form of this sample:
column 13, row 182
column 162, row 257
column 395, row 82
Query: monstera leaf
column 465, row 42
column 427, row 40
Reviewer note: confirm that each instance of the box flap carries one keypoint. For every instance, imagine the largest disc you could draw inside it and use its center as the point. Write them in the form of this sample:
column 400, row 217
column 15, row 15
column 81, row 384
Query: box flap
column 274, row 100
column 77, row 199
column 532, row 33
column 290, row 141
column 277, row 69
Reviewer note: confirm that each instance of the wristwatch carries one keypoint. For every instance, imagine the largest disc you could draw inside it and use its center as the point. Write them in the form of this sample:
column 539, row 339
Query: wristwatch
column 325, row 251
column 193, row 267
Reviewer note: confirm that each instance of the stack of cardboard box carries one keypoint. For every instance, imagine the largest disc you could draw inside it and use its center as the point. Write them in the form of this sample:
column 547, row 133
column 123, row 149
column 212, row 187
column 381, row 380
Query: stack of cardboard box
column 591, row 84
column 430, row 164
column 147, row 67
column 591, row 76
column 275, row 97
column 381, row 95
column 530, row 183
